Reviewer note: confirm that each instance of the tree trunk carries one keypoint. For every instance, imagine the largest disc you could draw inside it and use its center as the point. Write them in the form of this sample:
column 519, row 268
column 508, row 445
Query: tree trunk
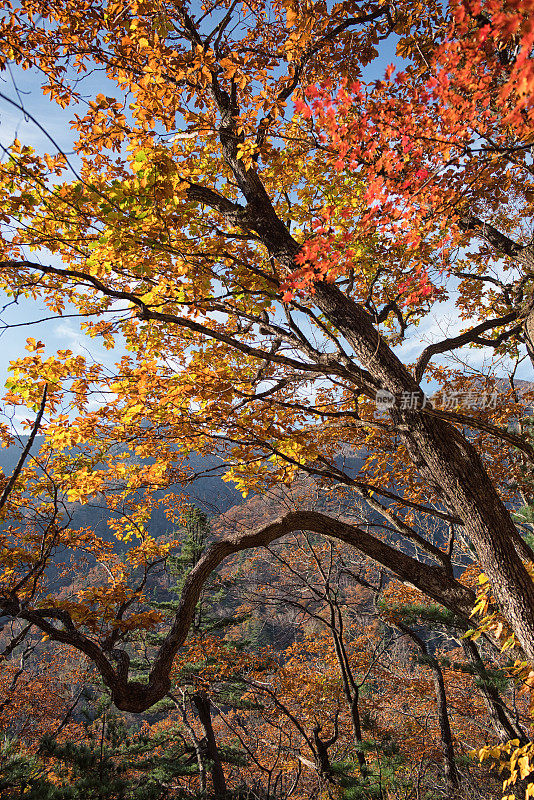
column 440, row 452
column 194, row 739
column 447, row 746
column 322, row 755
column 452, row 462
column 351, row 689
column 203, row 706
column 504, row 726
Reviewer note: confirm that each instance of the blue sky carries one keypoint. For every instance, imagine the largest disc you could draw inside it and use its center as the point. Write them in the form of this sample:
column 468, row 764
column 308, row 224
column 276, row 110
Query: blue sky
column 25, row 89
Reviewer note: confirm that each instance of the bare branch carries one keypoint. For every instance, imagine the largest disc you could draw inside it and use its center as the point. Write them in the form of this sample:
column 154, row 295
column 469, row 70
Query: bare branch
column 472, row 336
column 23, row 456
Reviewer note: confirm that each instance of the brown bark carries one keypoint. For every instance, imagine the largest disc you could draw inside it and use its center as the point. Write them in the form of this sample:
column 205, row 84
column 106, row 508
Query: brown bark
column 447, row 746
column 434, row 581
column 445, row 457
column 203, row 706
column 322, row 746
column 452, row 463
column 351, row 691
column 503, row 724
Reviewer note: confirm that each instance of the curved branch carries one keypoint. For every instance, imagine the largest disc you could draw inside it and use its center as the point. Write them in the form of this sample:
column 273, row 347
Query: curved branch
column 472, row 336
column 136, row 697
column 432, row 580
column 68, row 635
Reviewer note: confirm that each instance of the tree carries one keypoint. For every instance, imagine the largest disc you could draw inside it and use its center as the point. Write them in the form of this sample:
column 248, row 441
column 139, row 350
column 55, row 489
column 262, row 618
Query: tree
column 237, row 248
column 348, row 664
column 196, row 677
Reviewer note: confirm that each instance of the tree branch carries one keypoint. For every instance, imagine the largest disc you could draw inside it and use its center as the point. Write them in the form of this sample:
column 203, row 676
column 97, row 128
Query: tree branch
column 471, row 336
column 136, row 697
column 23, row 456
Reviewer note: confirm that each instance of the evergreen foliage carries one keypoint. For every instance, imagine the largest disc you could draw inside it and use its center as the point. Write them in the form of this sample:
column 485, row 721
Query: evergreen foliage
column 122, row 765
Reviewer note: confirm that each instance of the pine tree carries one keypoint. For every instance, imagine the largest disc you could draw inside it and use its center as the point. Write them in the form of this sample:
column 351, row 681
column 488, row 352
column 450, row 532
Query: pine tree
column 119, row 763
column 213, row 616
column 209, row 615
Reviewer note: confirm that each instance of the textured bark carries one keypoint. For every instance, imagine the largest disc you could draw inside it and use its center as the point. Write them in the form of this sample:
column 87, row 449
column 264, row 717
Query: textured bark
column 447, row 747
column 445, row 457
column 322, row 757
column 453, row 465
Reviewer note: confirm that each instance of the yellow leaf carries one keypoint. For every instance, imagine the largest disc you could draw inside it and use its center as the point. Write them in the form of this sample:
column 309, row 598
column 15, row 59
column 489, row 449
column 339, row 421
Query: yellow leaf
column 291, row 15
column 524, row 766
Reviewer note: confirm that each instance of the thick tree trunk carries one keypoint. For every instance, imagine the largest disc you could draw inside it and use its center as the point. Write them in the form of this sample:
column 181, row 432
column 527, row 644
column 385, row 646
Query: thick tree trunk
column 440, row 452
column 453, row 464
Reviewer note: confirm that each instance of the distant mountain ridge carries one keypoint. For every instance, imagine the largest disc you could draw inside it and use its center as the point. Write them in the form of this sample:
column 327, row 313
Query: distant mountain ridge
column 209, row 492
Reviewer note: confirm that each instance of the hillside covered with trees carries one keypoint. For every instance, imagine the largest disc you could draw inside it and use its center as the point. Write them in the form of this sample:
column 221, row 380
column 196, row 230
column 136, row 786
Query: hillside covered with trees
column 270, row 532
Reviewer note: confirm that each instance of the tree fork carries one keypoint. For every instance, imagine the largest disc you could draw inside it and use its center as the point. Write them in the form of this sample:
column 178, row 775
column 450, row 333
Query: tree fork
column 452, row 462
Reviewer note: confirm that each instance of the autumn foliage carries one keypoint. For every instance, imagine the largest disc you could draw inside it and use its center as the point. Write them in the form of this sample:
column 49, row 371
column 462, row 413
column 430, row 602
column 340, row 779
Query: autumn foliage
column 258, row 233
